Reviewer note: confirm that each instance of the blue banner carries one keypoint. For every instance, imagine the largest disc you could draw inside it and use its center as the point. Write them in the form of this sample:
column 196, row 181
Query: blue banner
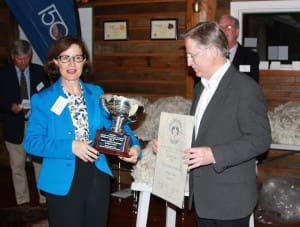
column 43, row 21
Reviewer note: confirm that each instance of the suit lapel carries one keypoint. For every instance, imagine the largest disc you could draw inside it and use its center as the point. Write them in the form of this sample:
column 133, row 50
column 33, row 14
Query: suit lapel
column 14, row 83
column 236, row 59
column 198, row 90
column 14, row 79
column 215, row 102
column 32, row 89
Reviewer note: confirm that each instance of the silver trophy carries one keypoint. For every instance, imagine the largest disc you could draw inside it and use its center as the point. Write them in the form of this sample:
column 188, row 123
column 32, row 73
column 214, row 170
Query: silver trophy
column 121, row 110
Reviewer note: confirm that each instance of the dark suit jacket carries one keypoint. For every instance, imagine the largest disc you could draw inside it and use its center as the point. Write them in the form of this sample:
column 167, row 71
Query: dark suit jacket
column 13, row 124
column 236, row 126
column 245, row 56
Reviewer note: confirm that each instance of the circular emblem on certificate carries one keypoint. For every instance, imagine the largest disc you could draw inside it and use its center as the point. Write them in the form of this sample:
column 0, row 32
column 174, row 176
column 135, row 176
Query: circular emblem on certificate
column 175, row 130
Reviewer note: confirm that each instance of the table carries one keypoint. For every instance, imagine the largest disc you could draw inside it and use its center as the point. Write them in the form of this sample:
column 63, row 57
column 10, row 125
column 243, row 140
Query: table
column 143, row 207
column 289, row 147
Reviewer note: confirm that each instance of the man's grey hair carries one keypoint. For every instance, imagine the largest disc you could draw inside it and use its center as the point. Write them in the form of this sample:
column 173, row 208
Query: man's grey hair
column 207, row 34
column 234, row 19
column 21, row 47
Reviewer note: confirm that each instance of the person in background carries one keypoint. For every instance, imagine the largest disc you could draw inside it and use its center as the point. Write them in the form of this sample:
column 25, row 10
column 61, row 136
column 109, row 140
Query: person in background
column 64, row 120
column 14, row 113
column 231, row 129
column 244, row 59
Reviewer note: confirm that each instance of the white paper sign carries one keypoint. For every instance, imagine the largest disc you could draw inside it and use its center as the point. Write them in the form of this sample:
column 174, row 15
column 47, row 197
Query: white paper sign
column 250, row 42
column 40, row 86
column 25, row 104
column 174, row 137
column 244, row 68
column 59, row 105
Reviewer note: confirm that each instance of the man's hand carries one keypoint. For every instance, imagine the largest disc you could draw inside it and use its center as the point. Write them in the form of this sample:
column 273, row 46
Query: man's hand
column 198, row 156
column 16, row 108
column 155, row 146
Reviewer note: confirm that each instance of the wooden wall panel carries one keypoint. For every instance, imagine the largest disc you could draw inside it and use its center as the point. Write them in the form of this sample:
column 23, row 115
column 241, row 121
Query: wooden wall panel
column 144, row 88
column 138, row 7
column 6, row 29
column 139, row 26
column 280, row 86
column 131, row 48
column 139, row 61
column 133, row 75
column 152, row 68
column 139, row 65
column 223, row 7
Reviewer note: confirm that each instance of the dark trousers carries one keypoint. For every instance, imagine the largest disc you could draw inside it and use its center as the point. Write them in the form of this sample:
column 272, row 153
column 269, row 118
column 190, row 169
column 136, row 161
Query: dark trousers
column 243, row 222
column 87, row 203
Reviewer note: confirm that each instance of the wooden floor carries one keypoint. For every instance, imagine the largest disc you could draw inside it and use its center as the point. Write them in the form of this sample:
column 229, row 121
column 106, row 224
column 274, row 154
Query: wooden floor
column 123, row 212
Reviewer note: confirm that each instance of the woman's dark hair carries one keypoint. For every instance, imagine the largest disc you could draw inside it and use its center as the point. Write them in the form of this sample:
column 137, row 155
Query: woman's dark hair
column 61, row 45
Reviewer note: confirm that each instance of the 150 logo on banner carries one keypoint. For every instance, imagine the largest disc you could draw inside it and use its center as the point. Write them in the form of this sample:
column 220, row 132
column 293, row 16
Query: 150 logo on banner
column 50, row 16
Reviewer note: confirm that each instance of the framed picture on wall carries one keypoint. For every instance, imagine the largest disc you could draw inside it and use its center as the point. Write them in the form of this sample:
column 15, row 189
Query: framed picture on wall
column 115, row 30
column 164, row 28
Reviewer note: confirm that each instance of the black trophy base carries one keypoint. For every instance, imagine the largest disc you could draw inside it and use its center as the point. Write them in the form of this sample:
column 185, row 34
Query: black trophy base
column 112, row 143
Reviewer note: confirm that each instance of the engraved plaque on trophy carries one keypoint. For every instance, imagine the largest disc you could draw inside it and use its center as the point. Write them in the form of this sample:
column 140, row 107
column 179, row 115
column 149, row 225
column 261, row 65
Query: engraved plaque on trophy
column 122, row 110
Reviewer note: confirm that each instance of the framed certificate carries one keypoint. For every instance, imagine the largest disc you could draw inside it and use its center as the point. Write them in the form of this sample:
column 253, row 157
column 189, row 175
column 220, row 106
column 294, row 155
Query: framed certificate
column 164, row 29
column 115, row 30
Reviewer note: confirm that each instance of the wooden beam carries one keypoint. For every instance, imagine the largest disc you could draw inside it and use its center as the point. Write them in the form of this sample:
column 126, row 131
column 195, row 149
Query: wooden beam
column 207, row 12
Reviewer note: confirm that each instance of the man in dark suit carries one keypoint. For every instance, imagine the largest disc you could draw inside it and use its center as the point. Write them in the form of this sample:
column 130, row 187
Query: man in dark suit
column 244, row 59
column 16, row 109
column 231, row 130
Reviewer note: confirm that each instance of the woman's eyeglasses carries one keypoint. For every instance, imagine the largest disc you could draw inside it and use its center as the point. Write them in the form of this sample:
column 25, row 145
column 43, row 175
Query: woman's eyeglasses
column 67, row 58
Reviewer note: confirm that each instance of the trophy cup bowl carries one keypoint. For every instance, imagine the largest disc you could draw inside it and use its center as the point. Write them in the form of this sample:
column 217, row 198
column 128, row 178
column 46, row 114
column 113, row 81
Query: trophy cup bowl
column 121, row 110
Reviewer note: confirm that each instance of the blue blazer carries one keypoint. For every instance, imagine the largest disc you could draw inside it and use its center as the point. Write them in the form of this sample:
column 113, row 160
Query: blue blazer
column 50, row 136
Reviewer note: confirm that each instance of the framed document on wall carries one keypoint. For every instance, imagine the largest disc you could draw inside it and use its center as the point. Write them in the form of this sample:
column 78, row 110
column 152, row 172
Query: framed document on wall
column 164, row 29
column 115, row 30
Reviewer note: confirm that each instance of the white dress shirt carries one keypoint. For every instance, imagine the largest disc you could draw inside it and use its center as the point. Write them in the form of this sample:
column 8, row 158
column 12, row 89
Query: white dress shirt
column 210, row 86
column 232, row 52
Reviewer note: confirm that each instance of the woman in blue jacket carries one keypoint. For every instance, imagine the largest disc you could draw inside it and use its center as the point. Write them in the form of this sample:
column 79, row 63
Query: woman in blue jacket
column 74, row 176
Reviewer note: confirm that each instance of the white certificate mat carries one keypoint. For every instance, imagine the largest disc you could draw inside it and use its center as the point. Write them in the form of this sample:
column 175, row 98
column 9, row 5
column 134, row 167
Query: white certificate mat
column 174, row 137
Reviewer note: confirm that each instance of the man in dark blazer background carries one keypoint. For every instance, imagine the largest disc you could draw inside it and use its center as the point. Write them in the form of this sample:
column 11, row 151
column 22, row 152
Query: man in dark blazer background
column 244, row 59
column 14, row 115
column 231, row 130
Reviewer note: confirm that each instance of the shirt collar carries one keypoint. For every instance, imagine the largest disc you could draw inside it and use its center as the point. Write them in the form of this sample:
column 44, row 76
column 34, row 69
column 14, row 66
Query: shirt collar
column 216, row 77
column 232, row 51
column 26, row 70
